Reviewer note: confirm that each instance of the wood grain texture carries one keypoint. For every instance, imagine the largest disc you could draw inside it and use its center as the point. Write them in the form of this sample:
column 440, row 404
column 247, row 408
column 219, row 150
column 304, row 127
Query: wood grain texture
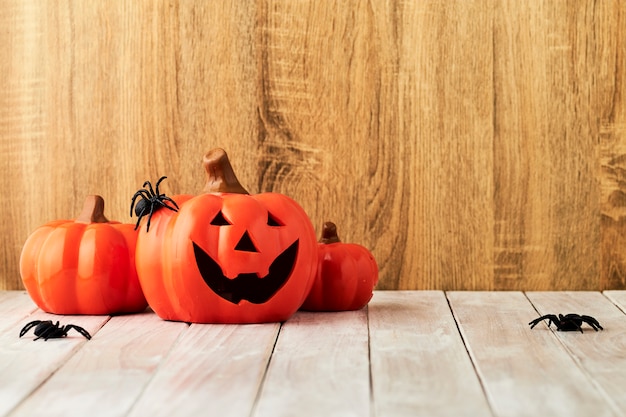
column 469, row 144
column 612, row 151
column 551, row 92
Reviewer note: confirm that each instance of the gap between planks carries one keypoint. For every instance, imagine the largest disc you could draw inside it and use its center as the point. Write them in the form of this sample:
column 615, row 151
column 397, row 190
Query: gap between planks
column 419, row 362
column 403, row 355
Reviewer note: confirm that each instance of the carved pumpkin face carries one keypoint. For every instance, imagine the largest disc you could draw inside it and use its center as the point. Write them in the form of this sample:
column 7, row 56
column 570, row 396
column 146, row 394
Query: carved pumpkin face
column 258, row 252
column 228, row 257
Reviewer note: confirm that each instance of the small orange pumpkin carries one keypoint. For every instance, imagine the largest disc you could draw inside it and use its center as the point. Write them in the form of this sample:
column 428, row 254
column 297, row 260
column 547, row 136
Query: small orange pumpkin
column 346, row 276
column 83, row 266
column 226, row 256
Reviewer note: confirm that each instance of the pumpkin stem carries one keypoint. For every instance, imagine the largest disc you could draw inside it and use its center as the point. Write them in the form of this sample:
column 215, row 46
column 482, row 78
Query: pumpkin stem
column 329, row 233
column 93, row 211
column 220, row 175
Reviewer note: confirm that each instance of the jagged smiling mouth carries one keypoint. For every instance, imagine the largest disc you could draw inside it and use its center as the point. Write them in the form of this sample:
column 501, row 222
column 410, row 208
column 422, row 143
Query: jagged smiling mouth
column 246, row 286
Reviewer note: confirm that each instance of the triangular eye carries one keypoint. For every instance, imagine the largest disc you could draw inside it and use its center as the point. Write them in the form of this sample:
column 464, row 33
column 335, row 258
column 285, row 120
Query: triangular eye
column 273, row 221
column 220, row 220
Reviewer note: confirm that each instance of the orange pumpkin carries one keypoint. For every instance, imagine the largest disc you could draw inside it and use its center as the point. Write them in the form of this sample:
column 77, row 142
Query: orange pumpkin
column 83, row 266
column 346, row 276
column 227, row 256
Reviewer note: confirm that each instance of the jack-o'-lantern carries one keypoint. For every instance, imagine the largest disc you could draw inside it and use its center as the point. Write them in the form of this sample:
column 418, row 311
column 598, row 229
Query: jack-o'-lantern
column 83, row 266
column 346, row 276
column 224, row 256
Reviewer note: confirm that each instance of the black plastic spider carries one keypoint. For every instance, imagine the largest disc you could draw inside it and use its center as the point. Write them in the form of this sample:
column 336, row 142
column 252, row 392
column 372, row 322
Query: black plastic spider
column 569, row 322
column 47, row 330
column 150, row 202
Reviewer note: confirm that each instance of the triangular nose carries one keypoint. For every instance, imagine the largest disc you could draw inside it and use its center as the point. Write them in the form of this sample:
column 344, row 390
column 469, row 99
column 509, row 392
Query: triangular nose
column 245, row 244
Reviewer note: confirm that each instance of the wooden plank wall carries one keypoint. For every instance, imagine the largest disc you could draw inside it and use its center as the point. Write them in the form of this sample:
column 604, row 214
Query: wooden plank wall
column 468, row 144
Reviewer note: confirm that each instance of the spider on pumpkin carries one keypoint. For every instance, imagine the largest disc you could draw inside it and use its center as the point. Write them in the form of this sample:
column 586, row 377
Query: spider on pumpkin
column 150, row 202
column 569, row 322
column 47, row 330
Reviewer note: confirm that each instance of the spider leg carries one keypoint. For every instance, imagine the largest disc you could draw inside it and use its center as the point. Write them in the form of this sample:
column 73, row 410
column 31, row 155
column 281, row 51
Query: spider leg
column 550, row 317
column 29, row 326
column 152, row 194
column 568, row 323
column 48, row 332
column 592, row 322
column 575, row 323
column 138, row 221
column 162, row 204
column 140, row 193
column 157, row 184
column 43, row 334
column 150, row 217
column 143, row 193
column 141, row 216
column 79, row 330
column 166, row 198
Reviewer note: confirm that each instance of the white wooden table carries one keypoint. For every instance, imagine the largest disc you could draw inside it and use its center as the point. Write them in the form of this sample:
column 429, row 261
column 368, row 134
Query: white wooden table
column 409, row 353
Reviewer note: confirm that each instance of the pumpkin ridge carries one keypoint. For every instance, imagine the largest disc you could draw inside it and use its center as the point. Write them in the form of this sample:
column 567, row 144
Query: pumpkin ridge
column 30, row 269
column 55, row 298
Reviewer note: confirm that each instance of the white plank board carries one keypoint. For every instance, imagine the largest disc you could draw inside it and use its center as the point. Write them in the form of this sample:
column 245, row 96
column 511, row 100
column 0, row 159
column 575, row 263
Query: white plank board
column 419, row 363
column 25, row 364
column 601, row 354
column 524, row 372
column 14, row 306
column 319, row 363
column 12, row 300
column 214, row 370
column 319, row 367
column 107, row 375
column 617, row 297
